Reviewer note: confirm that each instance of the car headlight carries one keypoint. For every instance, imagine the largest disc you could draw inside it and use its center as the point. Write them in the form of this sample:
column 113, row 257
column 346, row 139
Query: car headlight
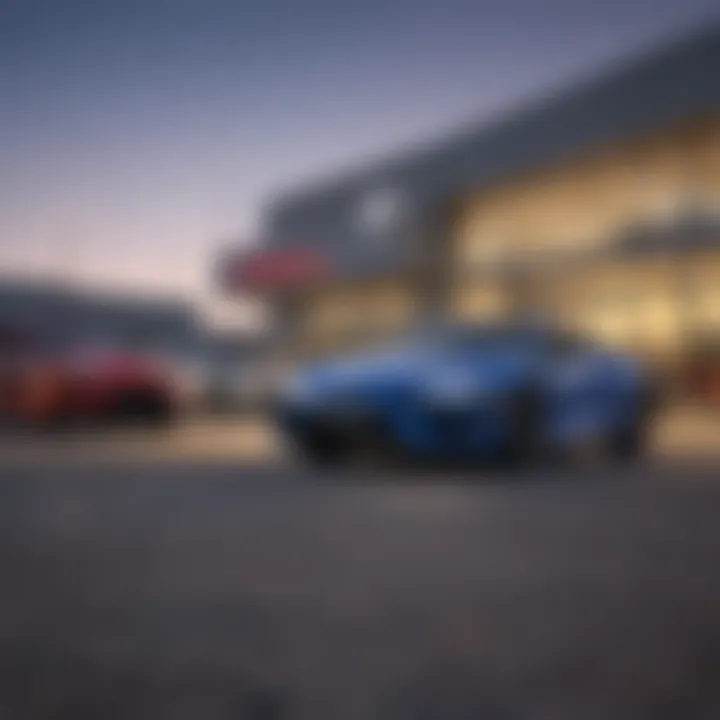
column 455, row 388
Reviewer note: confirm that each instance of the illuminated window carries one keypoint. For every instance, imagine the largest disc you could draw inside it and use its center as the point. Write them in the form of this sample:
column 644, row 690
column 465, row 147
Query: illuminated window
column 480, row 301
column 481, row 240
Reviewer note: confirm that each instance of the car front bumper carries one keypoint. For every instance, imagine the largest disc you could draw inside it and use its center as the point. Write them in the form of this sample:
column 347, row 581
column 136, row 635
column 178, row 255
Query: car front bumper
column 422, row 430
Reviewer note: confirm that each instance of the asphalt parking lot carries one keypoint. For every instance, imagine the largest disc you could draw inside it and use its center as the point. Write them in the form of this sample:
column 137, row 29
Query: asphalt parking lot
column 141, row 582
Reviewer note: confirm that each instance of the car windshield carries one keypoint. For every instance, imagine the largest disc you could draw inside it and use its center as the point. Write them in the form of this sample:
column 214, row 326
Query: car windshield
column 488, row 337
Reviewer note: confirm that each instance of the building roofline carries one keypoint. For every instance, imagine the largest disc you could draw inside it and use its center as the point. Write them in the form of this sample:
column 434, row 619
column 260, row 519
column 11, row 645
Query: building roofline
column 624, row 69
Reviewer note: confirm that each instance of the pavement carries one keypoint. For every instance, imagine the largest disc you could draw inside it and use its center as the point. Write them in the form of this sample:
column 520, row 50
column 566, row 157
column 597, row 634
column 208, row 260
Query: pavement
column 198, row 575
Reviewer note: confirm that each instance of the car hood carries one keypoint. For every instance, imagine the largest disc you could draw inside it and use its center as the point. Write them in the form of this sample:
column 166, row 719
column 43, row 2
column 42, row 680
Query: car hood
column 371, row 367
column 403, row 369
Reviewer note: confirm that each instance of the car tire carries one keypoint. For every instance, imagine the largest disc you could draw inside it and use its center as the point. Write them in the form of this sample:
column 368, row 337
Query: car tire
column 322, row 452
column 376, row 447
column 147, row 408
column 525, row 430
column 630, row 443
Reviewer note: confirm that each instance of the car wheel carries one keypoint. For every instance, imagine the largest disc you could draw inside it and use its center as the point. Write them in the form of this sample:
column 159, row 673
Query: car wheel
column 630, row 443
column 376, row 447
column 525, row 429
column 627, row 445
column 322, row 450
column 143, row 407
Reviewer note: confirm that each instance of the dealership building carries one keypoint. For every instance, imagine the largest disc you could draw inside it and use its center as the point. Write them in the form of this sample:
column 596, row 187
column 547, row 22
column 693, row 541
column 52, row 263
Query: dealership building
column 599, row 206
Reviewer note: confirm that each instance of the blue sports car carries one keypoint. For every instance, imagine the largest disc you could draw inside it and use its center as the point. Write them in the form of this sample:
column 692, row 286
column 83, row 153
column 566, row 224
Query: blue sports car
column 502, row 391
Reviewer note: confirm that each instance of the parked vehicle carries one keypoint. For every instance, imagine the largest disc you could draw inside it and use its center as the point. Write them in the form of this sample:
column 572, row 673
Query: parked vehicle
column 506, row 391
column 42, row 384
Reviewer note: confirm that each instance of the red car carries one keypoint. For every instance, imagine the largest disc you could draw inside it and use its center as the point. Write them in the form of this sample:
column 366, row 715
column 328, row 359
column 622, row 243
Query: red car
column 45, row 385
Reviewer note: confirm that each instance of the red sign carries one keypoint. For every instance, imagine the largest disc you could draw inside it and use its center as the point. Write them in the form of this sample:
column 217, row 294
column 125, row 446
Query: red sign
column 277, row 269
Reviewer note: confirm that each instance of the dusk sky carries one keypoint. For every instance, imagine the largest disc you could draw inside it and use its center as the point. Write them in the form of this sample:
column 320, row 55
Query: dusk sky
column 137, row 135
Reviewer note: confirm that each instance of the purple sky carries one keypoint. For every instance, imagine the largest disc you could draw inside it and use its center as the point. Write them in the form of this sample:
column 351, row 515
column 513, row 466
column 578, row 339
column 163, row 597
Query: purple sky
column 136, row 135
